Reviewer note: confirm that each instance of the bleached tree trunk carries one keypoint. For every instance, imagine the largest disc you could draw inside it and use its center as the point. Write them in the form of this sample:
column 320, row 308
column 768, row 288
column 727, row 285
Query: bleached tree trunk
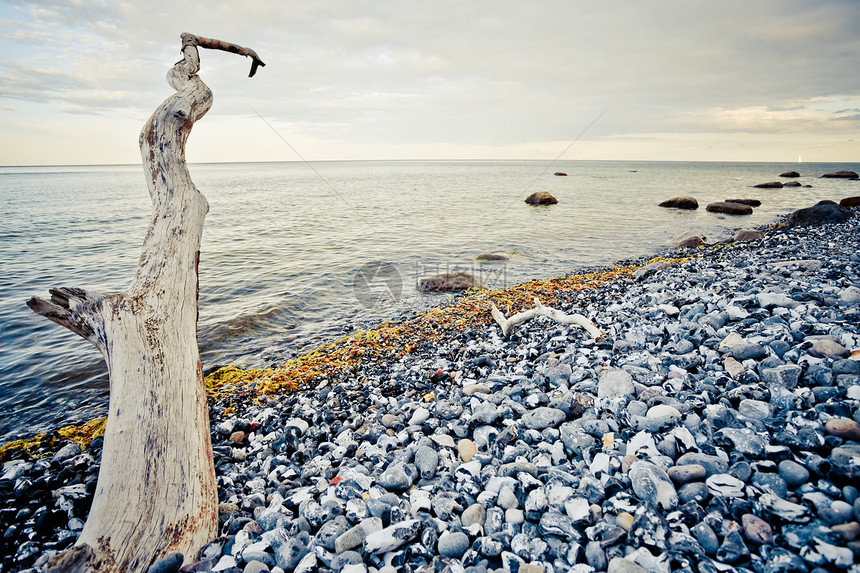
column 156, row 491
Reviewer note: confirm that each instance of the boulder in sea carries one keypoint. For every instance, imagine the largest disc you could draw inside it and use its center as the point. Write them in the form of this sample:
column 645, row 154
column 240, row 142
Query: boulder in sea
column 682, row 202
column 841, row 175
column 750, row 202
column 541, row 198
column 729, row 208
column 689, row 239
column 770, row 185
column 822, row 213
column 560, row 174
column 790, row 174
column 457, row 280
column 493, row 257
column 850, row 202
column 792, row 184
column 747, row 235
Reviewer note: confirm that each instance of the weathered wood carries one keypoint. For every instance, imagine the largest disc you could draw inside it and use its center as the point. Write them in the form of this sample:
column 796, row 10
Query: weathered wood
column 508, row 324
column 156, row 490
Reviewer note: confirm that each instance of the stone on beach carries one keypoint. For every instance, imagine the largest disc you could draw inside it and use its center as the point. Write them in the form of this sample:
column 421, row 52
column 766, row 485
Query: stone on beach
column 747, row 235
column 689, row 239
column 822, row 213
column 850, row 202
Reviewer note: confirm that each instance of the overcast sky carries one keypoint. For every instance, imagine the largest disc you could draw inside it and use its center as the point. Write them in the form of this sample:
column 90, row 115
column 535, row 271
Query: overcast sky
column 762, row 80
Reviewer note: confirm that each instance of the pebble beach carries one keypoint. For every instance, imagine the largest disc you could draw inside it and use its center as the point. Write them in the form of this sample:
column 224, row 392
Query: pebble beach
column 712, row 427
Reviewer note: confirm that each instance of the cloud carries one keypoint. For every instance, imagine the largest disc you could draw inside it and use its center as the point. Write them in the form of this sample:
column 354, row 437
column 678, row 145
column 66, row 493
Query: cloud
column 489, row 75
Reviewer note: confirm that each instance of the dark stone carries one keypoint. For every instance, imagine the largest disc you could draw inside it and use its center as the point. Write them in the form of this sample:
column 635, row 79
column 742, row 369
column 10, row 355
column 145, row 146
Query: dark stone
column 790, row 174
column 493, row 257
column 770, row 185
column 750, row 202
column 541, row 198
column 822, row 213
column 841, row 175
column 449, row 282
column 168, row 564
column 792, row 184
column 850, row 202
column 681, row 203
column 730, row 208
column 560, row 174
column 733, row 548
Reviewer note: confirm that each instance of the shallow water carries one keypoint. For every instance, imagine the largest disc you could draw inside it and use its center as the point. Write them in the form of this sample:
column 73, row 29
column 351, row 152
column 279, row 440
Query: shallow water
column 296, row 254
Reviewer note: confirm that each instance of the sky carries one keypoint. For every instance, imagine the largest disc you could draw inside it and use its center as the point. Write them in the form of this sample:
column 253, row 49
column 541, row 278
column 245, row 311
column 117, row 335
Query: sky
column 763, row 80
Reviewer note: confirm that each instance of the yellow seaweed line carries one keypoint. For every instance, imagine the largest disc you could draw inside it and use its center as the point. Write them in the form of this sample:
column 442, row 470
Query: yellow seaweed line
column 394, row 340
column 82, row 434
column 387, row 341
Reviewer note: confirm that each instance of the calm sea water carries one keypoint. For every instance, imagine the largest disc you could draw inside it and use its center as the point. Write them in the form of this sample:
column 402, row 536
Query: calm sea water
column 297, row 254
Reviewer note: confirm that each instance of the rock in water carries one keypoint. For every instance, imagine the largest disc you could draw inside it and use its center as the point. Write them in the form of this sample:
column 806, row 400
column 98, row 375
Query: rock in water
column 541, row 198
column 452, row 281
column 750, row 202
column 770, row 185
column 822, row 213
column 683, row 202
column 730, row 208
column 850, row 202
column 841, row 175
column 790, row 174
column 493, row 257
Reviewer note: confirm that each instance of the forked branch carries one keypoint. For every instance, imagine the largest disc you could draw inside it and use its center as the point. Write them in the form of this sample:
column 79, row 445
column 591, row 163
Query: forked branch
column 508, row 324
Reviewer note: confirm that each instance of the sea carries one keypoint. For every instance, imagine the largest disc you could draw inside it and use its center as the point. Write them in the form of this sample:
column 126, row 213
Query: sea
column 296, row 254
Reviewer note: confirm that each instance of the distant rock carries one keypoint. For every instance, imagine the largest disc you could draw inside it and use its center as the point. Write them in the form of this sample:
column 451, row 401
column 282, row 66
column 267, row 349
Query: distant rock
column 770, row 185
column 541, row 198
column 842, row 175
column 730, row 208
column 750, row 202
column 822, row 213
column 493, row 257
column 683, row 202
column 790, row 174
column 747, row 235
column 689, row 239
column 850, row 202
column 792, row 184
column 449, row 282
column 560, row 174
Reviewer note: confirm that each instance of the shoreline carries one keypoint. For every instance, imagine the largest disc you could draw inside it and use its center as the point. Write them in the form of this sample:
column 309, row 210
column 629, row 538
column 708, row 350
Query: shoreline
column 428, row 365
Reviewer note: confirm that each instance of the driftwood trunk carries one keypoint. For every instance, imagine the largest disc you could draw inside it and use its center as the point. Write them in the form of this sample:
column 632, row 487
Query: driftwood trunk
column 156, row 491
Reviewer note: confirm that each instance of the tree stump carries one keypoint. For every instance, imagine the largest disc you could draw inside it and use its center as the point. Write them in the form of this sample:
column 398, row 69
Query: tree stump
column 156, row 491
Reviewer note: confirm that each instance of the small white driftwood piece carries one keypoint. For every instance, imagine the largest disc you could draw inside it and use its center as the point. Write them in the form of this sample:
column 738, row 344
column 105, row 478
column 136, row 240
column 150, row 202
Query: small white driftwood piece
column 508, row 324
